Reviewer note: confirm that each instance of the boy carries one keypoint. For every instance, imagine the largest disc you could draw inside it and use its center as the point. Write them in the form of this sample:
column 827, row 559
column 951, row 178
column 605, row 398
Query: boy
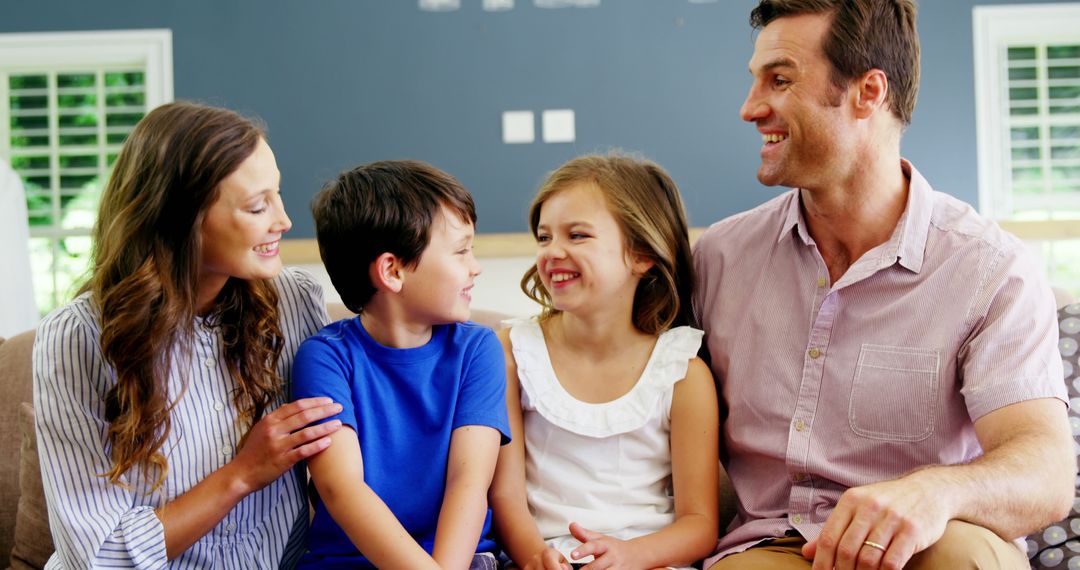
column 422, row 390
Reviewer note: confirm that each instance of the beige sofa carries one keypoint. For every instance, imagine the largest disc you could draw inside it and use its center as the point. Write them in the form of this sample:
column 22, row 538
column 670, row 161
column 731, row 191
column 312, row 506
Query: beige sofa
column 24, row 539
column 30, row 528
column 15, row 388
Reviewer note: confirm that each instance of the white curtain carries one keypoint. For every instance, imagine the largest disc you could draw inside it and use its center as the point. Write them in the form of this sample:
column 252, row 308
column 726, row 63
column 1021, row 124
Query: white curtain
column 18, row 311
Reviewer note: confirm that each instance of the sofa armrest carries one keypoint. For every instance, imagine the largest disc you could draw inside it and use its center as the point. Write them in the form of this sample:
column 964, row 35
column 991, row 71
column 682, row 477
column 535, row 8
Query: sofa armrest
column 16, row 386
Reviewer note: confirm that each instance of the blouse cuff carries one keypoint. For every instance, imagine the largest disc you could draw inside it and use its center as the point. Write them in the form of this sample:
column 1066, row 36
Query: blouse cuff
column 140, row 538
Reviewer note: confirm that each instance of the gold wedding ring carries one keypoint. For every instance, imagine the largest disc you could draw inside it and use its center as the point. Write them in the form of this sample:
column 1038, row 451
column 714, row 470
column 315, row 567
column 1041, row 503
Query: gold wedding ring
column 873, row 544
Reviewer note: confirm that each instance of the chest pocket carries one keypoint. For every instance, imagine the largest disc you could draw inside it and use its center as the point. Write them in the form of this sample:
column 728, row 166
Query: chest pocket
column 894, row 393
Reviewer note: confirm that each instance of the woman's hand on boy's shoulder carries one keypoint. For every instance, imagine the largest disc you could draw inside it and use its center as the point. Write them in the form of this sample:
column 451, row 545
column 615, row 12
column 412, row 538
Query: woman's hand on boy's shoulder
column 279, row 440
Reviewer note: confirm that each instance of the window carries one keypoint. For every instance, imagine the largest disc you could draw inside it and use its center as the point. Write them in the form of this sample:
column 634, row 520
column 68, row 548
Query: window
column 69, row 102
column 1027, row 75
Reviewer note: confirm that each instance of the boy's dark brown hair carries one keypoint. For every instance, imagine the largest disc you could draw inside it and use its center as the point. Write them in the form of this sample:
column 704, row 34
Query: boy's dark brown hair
column 386, row 206
column 865, row 35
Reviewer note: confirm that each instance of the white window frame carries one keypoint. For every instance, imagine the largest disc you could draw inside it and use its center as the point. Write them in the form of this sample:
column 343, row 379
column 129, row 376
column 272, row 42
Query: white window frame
column 29, row 52
column 49, row 52
column 995, row 27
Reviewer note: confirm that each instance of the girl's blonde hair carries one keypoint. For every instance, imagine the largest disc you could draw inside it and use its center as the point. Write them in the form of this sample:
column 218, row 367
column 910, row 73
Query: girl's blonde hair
column 646, row 204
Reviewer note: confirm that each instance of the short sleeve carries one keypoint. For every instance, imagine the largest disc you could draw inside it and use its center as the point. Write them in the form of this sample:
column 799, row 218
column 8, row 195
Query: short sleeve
column 320, row 370
column 482, row 399
column 1011, row 355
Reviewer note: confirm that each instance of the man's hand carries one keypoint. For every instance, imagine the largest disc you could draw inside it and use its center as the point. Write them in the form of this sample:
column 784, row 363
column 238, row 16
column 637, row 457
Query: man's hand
column 903, row 516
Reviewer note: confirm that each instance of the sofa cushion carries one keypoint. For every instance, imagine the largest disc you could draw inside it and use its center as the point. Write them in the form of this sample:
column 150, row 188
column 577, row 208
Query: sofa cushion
column 33, row 543
column 1058, row 545
column 15, row 387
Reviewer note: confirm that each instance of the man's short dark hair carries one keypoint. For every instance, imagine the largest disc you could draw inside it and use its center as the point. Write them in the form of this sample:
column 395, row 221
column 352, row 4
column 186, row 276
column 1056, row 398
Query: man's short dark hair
column 865, row 35
column 386, row 206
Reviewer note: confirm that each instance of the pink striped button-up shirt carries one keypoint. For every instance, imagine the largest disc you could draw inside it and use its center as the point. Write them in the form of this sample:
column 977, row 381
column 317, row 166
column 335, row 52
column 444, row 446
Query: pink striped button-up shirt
column 827, row 386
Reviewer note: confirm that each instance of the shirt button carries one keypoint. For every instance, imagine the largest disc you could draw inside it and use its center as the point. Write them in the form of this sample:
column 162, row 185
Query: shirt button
column 219, row 406
column 814, row 353
column 209, row 362
column 797, row 519
column 800, row 425
column 229, row 528
column 798, row 477
column 821, row 282
column 226, row 450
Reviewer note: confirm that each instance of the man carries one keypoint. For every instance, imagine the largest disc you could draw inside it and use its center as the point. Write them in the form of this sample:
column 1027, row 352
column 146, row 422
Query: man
column 887, row 358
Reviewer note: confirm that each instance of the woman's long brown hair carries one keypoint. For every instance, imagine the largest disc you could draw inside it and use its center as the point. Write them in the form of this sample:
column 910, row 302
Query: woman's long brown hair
column 144, row 279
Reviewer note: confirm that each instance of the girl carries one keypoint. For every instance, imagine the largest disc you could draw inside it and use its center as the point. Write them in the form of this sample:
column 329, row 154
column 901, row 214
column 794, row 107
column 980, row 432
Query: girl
column 614, row 419
column 156, row 388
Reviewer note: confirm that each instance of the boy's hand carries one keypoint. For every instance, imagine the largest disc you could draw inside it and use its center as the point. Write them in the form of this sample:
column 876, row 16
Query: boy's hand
column 608, row 552
column 547, row 559
column 277, row 441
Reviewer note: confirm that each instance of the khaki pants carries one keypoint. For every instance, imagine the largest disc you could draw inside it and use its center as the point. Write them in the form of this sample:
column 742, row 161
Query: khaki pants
column 963, row 546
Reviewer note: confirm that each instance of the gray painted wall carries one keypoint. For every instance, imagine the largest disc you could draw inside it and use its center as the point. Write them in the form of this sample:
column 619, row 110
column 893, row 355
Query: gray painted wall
column 343, row 82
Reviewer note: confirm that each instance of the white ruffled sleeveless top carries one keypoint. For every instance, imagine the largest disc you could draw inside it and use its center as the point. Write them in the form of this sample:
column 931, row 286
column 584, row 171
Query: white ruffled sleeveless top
column 606, row 466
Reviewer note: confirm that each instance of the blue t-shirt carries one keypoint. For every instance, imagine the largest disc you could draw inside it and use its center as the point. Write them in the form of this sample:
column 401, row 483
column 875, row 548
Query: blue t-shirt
column 403, row 404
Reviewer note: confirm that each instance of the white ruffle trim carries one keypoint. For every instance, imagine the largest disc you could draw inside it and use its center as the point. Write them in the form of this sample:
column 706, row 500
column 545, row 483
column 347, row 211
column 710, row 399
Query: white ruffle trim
column 541, row 390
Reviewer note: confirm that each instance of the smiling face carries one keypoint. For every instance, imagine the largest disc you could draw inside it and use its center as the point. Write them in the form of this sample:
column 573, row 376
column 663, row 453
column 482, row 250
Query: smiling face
column 802, row 117
column 242, row 228
column 582, row 258
column 438, row 289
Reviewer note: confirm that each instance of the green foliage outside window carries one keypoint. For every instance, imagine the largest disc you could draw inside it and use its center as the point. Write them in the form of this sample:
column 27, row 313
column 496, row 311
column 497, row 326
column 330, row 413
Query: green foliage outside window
column 1044, row 128
column 66, row 130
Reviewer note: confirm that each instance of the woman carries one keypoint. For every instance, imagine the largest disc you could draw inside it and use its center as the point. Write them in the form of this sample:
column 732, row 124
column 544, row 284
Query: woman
column 158, row 390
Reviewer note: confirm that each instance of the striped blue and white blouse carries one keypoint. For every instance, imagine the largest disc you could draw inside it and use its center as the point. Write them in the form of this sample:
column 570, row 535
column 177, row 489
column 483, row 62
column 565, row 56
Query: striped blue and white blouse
column 97, row 524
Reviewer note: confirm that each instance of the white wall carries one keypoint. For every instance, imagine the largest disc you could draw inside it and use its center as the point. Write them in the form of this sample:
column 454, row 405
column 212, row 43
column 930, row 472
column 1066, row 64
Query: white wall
column 496, row 289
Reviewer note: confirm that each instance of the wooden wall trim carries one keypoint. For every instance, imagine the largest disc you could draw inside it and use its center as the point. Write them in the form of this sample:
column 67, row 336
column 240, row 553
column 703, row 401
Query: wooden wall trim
column 306, row 251
column 1044, row 230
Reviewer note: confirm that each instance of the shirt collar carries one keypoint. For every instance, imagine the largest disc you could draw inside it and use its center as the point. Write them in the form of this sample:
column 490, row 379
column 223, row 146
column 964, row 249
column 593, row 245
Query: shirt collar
column 795, row 219
column 910, row 233
column 908, row 240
